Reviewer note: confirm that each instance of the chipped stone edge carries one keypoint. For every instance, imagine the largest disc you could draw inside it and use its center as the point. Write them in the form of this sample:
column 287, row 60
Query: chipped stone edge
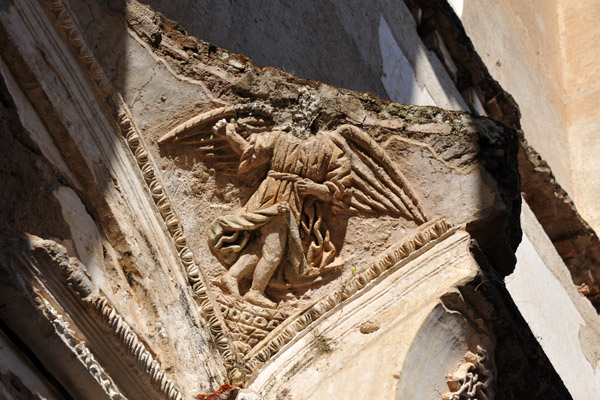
column 94, row 300
column 72, row 274
column 428, row 233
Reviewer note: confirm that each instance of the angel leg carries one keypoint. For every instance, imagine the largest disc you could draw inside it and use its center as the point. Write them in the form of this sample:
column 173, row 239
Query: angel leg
column 242, row 268
column 274, row 239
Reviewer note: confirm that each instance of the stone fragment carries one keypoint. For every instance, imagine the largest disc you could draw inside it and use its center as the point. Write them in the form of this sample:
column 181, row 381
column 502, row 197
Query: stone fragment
column 368, row 327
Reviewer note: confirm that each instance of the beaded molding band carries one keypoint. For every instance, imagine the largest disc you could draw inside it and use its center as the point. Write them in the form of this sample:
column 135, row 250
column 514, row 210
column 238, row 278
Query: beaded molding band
column 429, row 233
column 67, row 23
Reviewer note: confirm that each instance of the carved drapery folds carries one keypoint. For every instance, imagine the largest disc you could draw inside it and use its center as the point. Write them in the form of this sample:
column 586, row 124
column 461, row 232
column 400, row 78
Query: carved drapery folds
column 279, row 241
column 280, row 237
column 292, row 208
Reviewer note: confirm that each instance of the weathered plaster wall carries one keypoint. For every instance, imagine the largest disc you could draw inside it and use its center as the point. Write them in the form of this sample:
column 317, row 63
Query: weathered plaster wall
column 515, row 41
column 579, row 36
column 565, row 324
column 545, row 54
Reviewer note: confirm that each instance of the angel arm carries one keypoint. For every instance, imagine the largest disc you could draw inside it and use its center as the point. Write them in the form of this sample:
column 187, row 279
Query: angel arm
column 222, row 143
column 204, row 122
column 321, row 191
column 257, row 152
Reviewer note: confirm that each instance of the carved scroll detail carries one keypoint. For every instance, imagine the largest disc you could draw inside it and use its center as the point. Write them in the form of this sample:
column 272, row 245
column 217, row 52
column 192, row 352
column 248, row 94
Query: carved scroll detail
column 472, row 378
column 68, row 336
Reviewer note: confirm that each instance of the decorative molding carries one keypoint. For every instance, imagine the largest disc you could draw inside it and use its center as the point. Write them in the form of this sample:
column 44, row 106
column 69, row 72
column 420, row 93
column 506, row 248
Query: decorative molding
column 195, row 279
column 59, row 269
column 134, row 346
column 69, row 26
column 248, row 324
column 79, row 348
column 427, row 235
column 240, row 370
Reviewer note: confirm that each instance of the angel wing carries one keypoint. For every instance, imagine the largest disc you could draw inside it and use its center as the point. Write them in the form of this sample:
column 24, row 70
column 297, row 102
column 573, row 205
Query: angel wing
column 377, row 184
column 202, row 132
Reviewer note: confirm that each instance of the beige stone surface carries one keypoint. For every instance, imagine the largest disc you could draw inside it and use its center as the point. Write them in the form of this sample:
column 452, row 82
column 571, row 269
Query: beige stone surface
column 417, row 344
column 101, row 208
column 384, row 57
column 565, row 324
column 517, row 41
column 118, row 278
column 579, row 36
column 545, row 55
column 162, row 88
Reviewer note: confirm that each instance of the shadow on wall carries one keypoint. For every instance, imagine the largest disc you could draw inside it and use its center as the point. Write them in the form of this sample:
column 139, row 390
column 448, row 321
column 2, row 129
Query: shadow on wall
column 323, row 41
column 368, row 47
column 67, row 177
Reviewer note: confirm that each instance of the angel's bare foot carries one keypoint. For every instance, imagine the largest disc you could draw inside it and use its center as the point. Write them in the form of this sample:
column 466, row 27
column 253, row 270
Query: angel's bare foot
column 258, row 299
column 229, row 284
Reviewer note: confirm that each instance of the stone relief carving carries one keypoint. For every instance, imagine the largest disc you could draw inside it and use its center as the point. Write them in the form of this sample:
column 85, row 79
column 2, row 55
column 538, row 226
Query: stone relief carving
column 61, row 283
column 355, row 177
column 368, row 182
column 195, row 279
column 279, row 242
column 69, row 337
column 427, row 235
column 472, row 378
column 280, row 237
column 354, row 196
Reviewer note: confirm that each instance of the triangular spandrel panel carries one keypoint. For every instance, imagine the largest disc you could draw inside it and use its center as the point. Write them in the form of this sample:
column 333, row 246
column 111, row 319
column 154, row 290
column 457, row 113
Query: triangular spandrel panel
column 278, row 191
column 315, row 189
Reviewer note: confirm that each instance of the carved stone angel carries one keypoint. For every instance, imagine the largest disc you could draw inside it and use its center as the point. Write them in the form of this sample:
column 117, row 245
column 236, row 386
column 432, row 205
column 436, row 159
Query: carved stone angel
column 280, row 238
